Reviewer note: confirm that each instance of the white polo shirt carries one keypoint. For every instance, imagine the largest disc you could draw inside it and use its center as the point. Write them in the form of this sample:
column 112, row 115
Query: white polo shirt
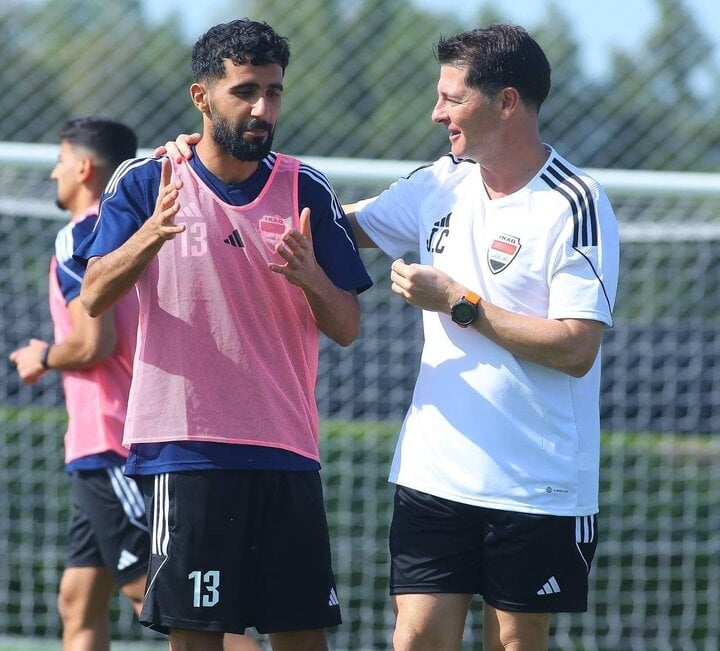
column 485, row 427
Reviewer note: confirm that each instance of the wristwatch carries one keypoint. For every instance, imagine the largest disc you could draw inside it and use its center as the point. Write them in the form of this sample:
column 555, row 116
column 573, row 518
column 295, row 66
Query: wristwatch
column 44, row 358
column 465, row 311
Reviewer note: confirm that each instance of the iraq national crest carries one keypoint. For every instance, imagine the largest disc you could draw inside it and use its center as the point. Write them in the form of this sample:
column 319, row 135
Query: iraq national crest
column 502, row 252
column 272, row 227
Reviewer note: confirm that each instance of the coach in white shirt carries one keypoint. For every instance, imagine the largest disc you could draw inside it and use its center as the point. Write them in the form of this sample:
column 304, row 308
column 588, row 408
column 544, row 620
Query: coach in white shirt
column 497, row 461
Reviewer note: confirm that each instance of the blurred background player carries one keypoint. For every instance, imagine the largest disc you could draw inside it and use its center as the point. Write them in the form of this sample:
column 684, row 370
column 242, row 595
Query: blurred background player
column 109, row 541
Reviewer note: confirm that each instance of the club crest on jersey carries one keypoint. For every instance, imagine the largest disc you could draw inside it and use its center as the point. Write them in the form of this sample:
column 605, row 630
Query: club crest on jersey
column 271, row 229
column 502, row 252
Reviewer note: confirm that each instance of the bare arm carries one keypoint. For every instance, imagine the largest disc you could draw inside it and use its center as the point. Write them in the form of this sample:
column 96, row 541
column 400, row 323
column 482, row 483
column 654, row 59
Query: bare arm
column 108, row 278
column 335, row 311
column 567, row 345
column 89, row 341
column 361, row 237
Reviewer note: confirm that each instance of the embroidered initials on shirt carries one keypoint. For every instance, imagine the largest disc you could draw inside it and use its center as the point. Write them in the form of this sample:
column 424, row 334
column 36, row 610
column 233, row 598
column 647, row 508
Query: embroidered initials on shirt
column 440, row 229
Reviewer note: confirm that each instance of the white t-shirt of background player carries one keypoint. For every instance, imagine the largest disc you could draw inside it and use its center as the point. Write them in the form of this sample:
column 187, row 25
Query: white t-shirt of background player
column 486, row 427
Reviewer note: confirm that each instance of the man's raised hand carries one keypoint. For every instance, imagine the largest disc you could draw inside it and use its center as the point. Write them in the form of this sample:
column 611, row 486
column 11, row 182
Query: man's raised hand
column 296, row 248
column 162, row 221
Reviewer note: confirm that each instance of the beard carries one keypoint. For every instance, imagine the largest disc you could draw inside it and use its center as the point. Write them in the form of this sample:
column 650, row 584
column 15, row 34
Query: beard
column 236, row 143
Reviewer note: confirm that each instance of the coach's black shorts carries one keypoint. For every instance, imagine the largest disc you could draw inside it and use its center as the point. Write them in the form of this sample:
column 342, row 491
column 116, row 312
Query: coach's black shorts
column 108, row 527
column 236, row 549
column 516, row 561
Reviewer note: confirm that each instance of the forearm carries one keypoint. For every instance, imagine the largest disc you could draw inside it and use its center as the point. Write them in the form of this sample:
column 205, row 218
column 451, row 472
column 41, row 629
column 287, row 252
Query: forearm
column 531, row 338
column 336, row 312
column 110, row 277
column 71, row 355
column 569, row 345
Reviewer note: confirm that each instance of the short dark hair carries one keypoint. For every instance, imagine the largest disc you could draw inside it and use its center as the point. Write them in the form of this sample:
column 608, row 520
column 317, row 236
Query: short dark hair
column 499, row 56
column 110, row 142
column 241, row 41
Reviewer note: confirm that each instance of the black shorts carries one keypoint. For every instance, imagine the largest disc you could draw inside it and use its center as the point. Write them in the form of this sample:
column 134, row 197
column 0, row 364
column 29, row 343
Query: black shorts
column 517, row 562
column 236, row 549
column 108, row 527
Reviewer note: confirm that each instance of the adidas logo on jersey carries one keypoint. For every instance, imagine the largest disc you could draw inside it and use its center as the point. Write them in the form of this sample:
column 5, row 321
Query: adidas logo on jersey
column 333, row 598
column 551, row 587
column 126, row 559
column 234, row 239
column 440, row 230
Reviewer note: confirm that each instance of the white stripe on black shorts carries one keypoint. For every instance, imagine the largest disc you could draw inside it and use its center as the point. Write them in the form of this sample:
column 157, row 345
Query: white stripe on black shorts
column 108, row 528
column 516, row 561
column 233, row 549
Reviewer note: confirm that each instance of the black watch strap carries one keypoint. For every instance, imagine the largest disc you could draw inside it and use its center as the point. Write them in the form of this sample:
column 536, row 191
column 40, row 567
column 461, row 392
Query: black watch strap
column 44, row 358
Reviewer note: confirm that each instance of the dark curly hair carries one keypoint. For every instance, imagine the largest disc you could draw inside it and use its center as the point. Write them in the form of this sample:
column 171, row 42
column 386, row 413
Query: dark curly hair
column 241, row 41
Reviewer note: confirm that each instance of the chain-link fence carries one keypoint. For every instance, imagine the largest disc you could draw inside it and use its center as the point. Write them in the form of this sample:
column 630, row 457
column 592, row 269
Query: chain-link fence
column 361, row 84
column 362, row 78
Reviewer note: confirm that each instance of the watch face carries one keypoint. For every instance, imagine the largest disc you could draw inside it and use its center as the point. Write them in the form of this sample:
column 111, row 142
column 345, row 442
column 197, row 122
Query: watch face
column 464, row 312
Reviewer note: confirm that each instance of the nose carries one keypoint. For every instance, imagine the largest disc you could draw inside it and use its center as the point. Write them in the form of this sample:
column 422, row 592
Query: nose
column 438, row 113
column 260, row 107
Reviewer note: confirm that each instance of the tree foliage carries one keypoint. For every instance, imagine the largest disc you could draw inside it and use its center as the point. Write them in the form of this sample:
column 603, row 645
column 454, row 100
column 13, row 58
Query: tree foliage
column 361, row 80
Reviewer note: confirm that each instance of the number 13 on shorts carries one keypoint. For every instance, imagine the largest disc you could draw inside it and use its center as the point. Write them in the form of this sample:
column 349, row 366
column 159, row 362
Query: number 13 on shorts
column 206, row 588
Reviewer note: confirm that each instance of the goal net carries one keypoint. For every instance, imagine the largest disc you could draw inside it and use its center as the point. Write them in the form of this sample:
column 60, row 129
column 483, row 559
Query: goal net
column 655, row 583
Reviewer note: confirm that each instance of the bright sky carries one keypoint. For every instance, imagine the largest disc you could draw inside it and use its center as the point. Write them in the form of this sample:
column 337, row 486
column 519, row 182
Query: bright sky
column 599, row 24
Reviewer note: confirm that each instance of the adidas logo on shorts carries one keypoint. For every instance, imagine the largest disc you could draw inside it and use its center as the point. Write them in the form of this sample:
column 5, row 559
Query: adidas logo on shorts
column 551, row 587
column 126, row 559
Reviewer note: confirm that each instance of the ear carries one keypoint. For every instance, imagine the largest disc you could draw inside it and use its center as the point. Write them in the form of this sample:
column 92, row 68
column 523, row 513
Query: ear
column 200, row 96
column 509, row 102
column 85, row 168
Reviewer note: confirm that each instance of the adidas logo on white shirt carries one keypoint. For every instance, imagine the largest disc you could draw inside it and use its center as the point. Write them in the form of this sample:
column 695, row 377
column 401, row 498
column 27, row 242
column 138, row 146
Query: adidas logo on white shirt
column 333, row 598
column 551, row 587
column 126, row 559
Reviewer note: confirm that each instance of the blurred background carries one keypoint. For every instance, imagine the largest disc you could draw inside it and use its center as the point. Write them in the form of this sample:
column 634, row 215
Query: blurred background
column 634, row 99
column 626, row 75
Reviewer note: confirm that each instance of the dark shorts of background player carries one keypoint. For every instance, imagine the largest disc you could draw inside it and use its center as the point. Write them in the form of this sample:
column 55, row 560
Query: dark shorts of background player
column 517, row 562
column 108, row 527
column 239, row 549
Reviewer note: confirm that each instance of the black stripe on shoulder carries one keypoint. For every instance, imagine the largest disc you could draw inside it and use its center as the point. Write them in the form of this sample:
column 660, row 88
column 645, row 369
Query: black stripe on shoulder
column 453, row 158
column 417, row 169
column 571, row 186
column 458, row 161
